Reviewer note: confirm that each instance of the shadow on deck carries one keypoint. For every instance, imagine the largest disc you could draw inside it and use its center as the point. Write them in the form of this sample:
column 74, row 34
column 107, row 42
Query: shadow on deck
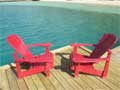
column 61, row 77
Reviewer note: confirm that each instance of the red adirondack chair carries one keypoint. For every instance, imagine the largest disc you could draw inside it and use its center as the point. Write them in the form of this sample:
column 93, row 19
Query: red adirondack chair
column 39, row 63
column 85, row 64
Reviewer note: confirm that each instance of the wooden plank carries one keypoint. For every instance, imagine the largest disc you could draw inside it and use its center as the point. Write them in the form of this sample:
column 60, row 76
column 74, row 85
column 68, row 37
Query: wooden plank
column 12, row 80
column 22, row 85
column 48, row 85
column 108, row 84
column 111, row 69
column 57, row 74
column 66, row 76
column 110, row 80
column 112, row 75
column 114, row 82
column 96, row 82
column 89, row 82
column 4, row 81
column 63, row 82
column 82, row 83
column 55, row 82
column 113, row 78
column 31, row 85
column 71, row 81
column 38, row 82
column 115, row 66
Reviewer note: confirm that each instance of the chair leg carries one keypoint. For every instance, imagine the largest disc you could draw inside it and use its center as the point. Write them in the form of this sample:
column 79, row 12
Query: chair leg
column 47, row 70
column 76, row 73
column 72, row 66
column 48, row 73
column 105, row 72
column 18, row 70
column 76, row 70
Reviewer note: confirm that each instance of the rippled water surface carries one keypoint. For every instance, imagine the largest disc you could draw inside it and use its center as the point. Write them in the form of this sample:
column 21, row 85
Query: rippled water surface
column 60, row 26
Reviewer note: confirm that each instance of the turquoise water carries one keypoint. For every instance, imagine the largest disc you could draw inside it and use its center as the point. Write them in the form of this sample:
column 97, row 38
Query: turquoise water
column 59, row 25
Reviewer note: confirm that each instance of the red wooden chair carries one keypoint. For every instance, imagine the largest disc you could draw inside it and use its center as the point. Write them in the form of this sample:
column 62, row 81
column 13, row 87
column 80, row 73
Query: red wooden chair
column 39, row 63
column 85, row 64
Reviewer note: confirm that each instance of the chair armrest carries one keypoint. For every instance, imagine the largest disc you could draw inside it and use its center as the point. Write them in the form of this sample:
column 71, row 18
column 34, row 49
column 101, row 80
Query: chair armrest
column 46, row 45
column 76, row 45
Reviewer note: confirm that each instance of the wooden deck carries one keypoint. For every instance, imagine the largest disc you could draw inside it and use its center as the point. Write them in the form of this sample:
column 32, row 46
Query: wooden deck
column 61, row 78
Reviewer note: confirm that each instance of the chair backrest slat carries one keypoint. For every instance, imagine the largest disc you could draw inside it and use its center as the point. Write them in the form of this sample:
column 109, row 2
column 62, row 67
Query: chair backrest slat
column 105, row 43
column 19, row 46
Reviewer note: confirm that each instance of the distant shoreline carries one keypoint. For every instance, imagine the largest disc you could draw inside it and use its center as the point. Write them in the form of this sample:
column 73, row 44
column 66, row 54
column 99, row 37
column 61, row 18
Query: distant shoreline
column 117, row 3
column 95, row 2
